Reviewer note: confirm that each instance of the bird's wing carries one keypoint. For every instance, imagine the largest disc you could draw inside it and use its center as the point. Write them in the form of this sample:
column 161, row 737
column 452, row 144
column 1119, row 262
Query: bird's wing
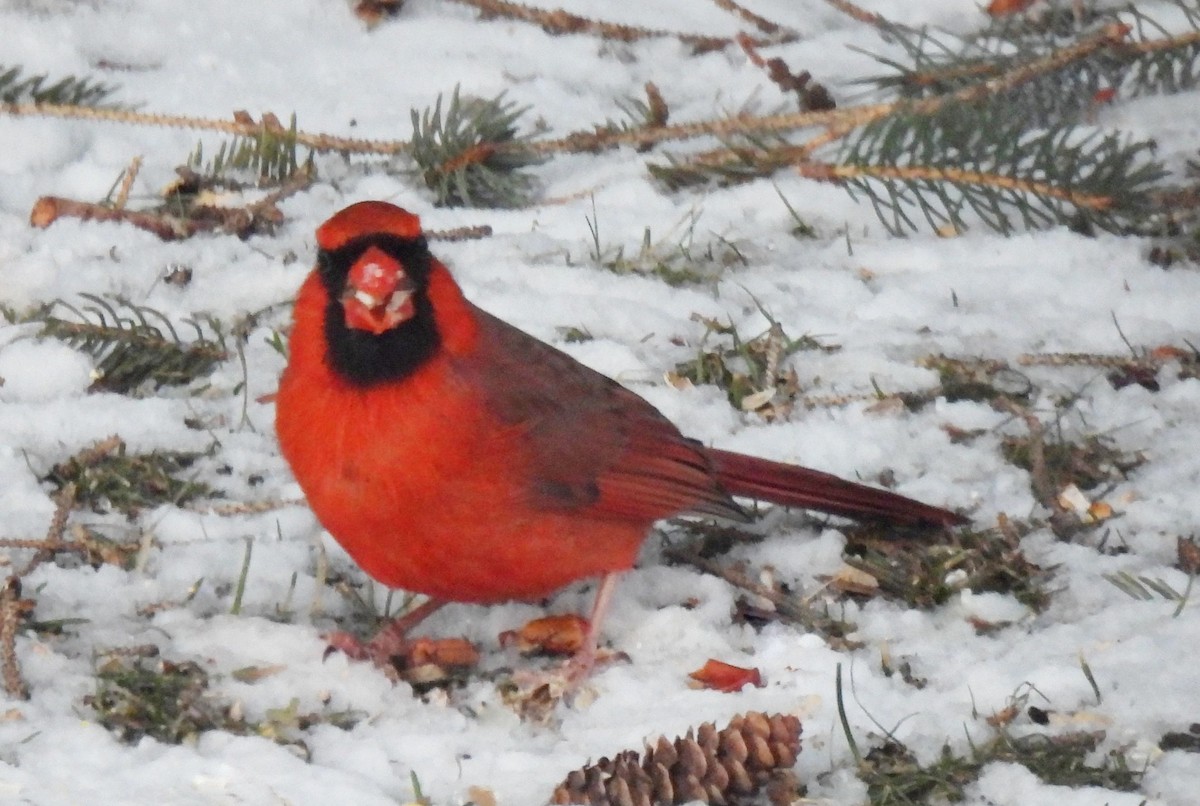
column 588, row 443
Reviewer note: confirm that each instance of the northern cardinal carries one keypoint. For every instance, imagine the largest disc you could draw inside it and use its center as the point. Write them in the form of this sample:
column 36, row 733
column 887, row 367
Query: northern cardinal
column 451, row 454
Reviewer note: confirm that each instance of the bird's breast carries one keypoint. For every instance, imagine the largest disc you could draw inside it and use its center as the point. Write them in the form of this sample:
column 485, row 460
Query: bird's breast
column 429, row 493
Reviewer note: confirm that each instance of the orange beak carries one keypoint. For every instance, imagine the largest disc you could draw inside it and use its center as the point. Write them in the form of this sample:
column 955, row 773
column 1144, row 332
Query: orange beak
column 379, row 293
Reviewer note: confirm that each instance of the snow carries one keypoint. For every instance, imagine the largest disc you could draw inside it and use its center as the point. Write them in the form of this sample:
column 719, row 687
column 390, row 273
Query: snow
column 886, row 301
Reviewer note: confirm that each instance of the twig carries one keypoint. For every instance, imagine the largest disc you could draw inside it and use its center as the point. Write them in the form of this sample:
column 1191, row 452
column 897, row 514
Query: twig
column 53, row 541
column 1087, row 359
column 239, row 221
column 1038, row 472
column 49, row 209
column 558, row 21
column 265, row 208
column 1186, row 39
column 244, row 507
column 11, row 609
column 857, row 12
column 471, row 233
column 243, row 128
column 786, row 606
column 810, row 94
column 761, row 23
column 826, row 172
column 1111, row 35
column 130, row 174
column 837, row 123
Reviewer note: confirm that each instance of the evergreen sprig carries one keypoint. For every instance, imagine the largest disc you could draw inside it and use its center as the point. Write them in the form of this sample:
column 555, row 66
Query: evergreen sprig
column 39, row 90
column 986, row 159
column 1151, row 61
column 465, row 156
column 1173, row 64
column 268, row 157
column 744, row 158
column 134, row 347
column 130, row 482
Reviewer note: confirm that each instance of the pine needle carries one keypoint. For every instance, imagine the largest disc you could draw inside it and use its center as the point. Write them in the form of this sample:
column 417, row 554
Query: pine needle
column 39, row 89
column 462, row 154
column 135, row 348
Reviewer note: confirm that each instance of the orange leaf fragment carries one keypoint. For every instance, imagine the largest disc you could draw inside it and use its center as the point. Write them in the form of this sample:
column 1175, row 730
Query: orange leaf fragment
column 1169, row 352
column 1001, row 8
column 440, row 652
column 726, row 677
column 550, row 635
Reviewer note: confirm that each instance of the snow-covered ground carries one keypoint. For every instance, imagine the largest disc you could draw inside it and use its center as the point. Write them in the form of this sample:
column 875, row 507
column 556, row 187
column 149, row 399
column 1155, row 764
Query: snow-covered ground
column 886, row 302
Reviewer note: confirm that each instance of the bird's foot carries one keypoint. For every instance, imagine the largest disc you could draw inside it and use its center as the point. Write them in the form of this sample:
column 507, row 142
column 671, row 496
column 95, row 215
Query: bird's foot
column 568, row 680
column 386, row 650
column 391, row 649
column 380, row 650
column 420, row 660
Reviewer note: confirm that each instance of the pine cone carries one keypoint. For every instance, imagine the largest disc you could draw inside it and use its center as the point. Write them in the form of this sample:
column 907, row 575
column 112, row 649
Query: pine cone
column 710, row 766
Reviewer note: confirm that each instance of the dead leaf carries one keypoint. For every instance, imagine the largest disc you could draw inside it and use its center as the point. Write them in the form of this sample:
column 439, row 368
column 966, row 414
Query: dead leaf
column 848, row 579
column 441, row 652
column 1187, row 554
column 252, row 674
column 550, row 635
column 726, row 677
column 1002, row 8
column 1004, row 716
column 890, row 405
column 1100, row 511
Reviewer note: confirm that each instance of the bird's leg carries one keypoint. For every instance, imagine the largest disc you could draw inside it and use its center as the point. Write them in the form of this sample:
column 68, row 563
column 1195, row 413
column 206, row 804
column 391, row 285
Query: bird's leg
column 579, row 668
column 389, row 641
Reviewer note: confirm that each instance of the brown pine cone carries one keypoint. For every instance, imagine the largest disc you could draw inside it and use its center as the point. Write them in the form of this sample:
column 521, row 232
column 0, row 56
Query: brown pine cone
column 723, row 767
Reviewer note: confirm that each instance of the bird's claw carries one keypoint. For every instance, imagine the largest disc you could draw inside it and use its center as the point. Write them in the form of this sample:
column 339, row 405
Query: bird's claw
column 381, row 650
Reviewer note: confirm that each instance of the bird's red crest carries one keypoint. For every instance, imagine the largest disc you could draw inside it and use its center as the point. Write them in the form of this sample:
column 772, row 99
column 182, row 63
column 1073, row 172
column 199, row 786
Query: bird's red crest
column 365, row 218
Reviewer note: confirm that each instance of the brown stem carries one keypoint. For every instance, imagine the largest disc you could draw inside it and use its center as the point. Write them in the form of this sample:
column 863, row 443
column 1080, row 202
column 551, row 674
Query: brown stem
column 857, row 12
column 925, row 173
column 837, row 122
column 49, row 209
column 240, row 127
column 461, row 233
column 1039, row 475
column 130, row 174
column 558, row 21
column 761, row 23
column 787, row 607
column 11, row 609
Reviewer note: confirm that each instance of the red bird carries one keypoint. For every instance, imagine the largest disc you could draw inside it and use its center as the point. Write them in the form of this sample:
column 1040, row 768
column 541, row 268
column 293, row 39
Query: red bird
column 456, row 456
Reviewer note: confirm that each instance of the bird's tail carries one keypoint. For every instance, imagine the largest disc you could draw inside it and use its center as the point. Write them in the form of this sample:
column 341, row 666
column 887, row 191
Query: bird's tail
column 794, row 486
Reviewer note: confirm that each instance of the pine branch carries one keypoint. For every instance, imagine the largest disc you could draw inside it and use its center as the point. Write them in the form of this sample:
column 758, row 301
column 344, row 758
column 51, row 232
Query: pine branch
column 976, row 148
column 984, row 158
column 134, row 347
column 71, row 91
column 1150, row 60
column 472, row 155
column 268, row 156
column 558, row 22
column 1157, row 61
column 763, row 24
column 241, row 126
column 106, row 476
column 857, row 12
column 213, row 199
column 13, row 610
